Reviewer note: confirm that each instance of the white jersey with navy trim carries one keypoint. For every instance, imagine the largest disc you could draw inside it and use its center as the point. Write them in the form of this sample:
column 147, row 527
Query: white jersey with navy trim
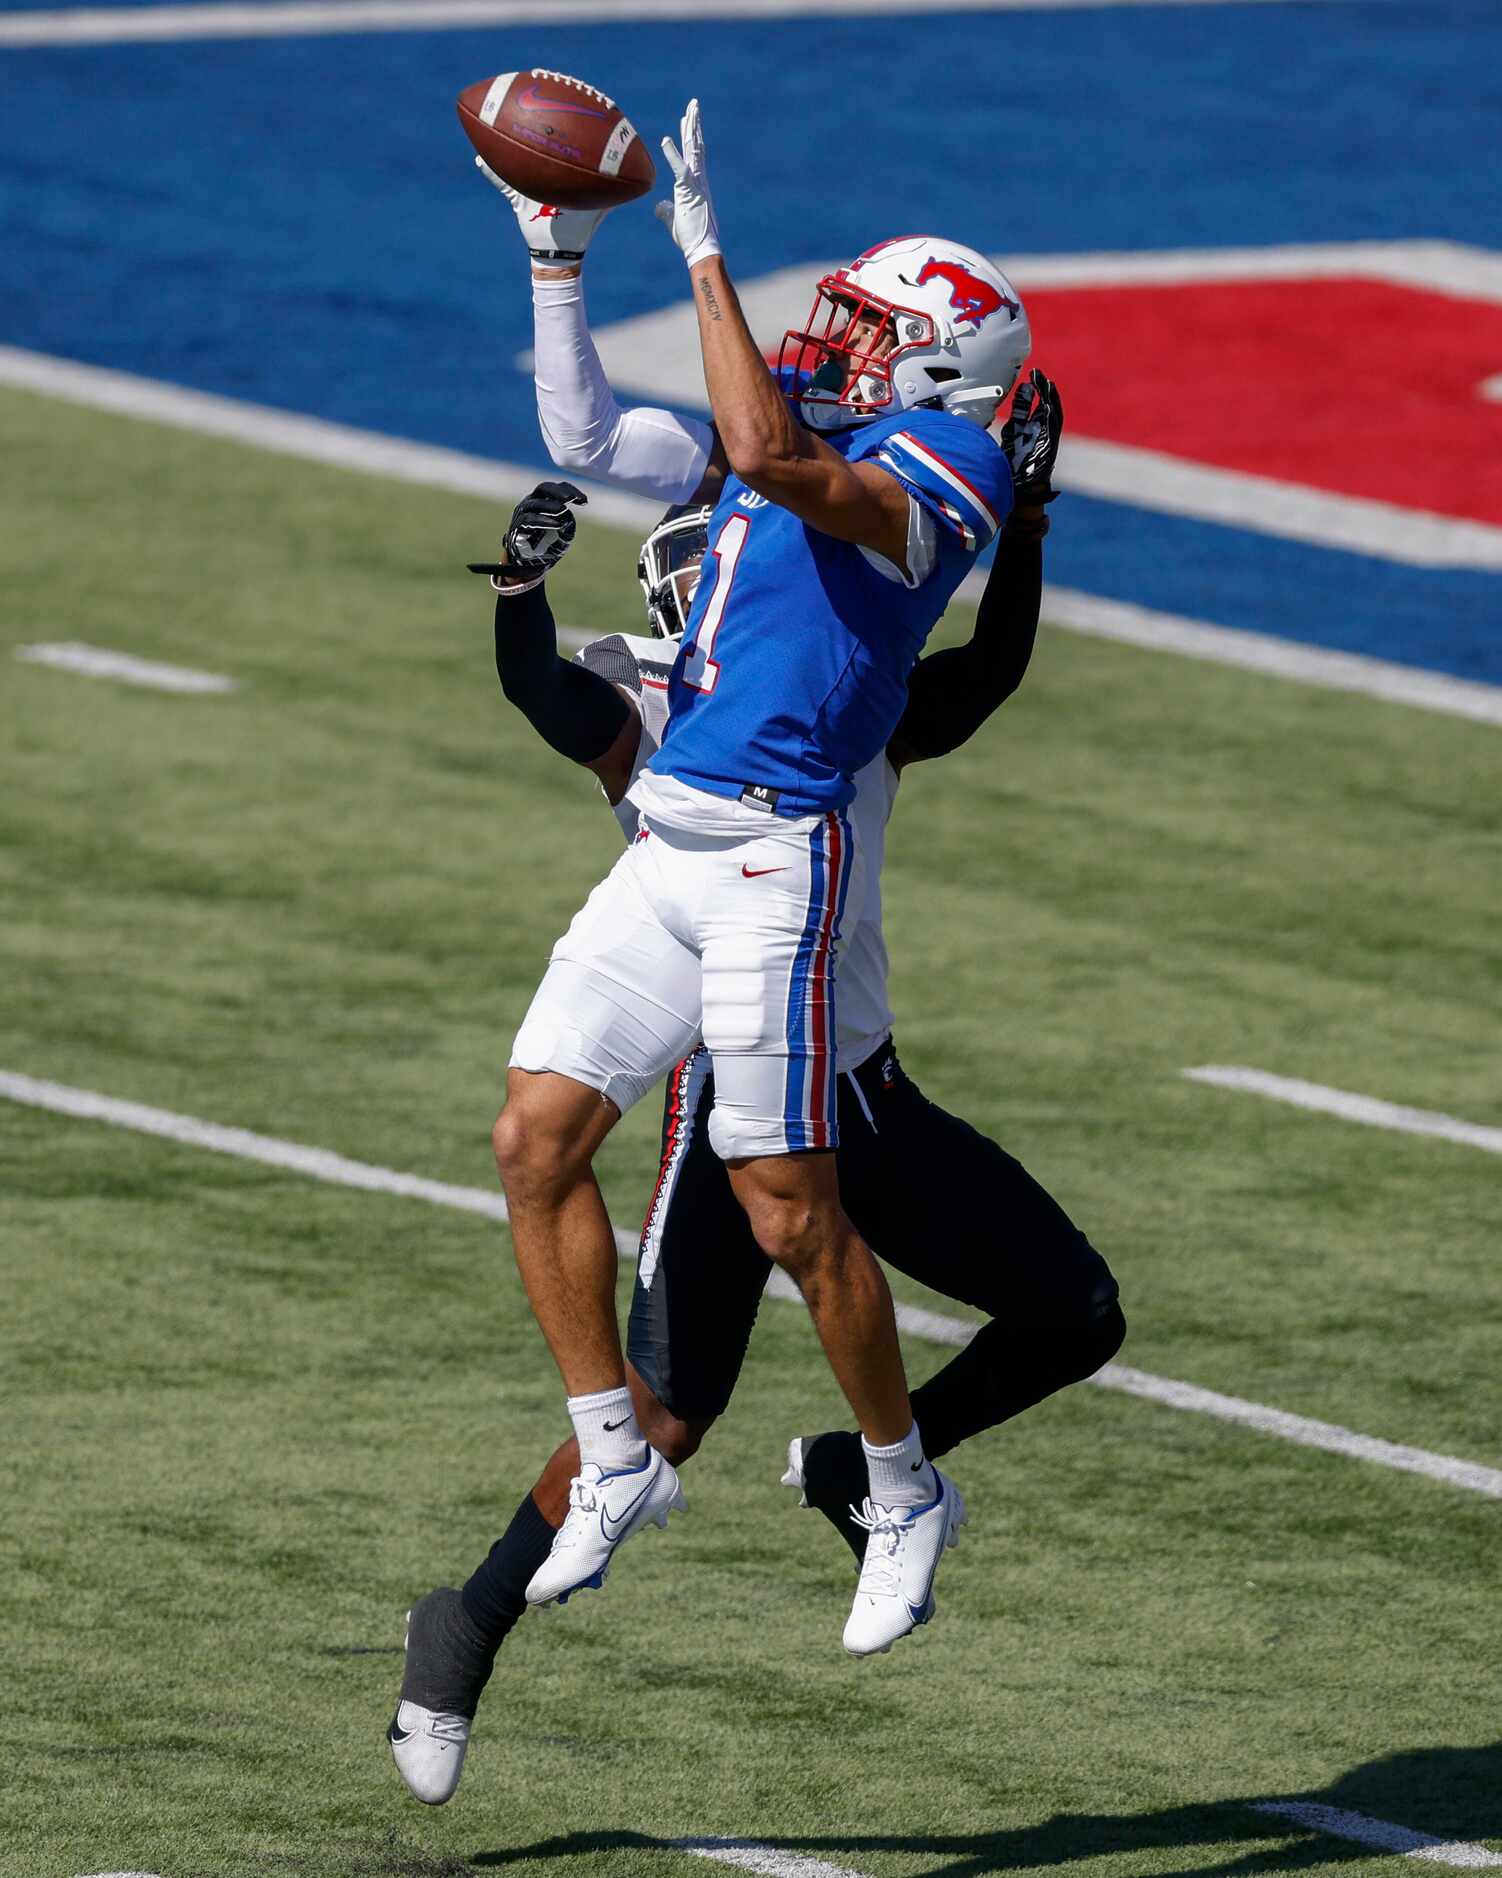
column 638, row 666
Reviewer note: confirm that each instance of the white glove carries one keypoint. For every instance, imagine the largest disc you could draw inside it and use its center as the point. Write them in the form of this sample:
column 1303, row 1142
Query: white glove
column 556, row 237
column 690, row 215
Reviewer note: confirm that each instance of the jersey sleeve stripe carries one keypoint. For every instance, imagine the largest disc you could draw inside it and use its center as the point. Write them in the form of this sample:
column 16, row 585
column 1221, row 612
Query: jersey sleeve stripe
column 957, row 481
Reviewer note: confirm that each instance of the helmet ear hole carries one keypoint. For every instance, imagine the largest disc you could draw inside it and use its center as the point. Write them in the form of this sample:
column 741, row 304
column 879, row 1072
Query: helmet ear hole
column 941, row 374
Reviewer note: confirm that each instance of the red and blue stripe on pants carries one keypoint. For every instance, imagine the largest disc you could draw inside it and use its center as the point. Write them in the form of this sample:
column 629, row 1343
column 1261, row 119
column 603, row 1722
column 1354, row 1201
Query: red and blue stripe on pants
column 809, row 1093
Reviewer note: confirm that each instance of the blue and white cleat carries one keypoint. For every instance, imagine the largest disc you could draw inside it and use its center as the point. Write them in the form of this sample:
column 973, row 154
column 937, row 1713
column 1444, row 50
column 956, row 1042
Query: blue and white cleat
column 604, row 1508
column 903, row 1550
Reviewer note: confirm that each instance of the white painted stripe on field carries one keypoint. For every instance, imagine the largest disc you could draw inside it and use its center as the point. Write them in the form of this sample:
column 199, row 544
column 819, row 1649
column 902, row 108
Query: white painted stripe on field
column 316, row 1163
column 1098, row 618
column 1351, row 1108
column 1340, row 1824
column 1301, row 1429
column 72, row 655
column 1170, row 485
column 768, row 1860
column 112, row 26
column 321, row 1164
column 286, row 433
column 344, row 447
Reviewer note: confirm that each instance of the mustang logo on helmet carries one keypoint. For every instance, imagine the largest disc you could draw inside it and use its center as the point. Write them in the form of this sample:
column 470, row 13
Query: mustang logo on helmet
column 974, row 299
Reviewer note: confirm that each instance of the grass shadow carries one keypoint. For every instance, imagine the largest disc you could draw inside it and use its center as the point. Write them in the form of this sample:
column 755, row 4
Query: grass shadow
column 1452, row 1793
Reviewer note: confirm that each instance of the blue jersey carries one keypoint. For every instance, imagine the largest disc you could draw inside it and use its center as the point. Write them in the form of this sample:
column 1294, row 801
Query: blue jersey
column 793, row 671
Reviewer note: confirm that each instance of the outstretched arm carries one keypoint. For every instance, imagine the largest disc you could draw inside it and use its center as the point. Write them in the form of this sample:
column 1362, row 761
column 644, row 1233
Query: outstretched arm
column 579, row 714
column 950, row 694
column 764, row 444
column 650, row 452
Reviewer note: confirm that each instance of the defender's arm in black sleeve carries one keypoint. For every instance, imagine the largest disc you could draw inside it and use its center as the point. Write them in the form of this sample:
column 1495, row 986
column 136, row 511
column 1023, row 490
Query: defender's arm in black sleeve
column 950, row 694
column 578, row 713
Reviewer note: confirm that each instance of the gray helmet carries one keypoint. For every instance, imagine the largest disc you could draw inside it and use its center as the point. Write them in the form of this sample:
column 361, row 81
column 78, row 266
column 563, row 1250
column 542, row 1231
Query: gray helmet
column 668, row 567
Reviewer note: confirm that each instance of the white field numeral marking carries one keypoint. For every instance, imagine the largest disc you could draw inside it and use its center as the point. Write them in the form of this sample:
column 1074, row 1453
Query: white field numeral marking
column 700, row 671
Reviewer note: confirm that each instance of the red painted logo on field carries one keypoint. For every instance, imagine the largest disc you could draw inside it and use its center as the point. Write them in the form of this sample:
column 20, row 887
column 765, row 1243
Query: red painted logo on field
column 1352, row 386
column 974, row 298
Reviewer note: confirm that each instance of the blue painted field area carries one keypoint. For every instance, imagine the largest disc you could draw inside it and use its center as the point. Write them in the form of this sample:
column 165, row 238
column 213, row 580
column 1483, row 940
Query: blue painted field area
column 296, row 222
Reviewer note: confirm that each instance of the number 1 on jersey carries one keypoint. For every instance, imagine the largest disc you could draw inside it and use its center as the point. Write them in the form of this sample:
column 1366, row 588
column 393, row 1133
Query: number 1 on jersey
column 700, row 671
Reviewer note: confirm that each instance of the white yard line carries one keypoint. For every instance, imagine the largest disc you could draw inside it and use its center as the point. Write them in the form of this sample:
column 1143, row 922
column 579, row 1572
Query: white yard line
column 72, row 655
column 344, row 447
column 1381, row 1835
column 321, row 1164
column 1169, row 485
column 1302, row 1430
column 113, row 26
column 286, row 433
column 768, row 1860
column 1370, row 677
column 316, row 1163
column 1349, row 1107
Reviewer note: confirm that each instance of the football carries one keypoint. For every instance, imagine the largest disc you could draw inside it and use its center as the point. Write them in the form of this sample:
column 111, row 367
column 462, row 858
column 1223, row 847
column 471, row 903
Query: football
column 556, row 139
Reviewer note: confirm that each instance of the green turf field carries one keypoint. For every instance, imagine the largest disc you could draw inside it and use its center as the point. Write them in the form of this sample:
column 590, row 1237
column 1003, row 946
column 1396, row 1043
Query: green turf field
column 250, row 1416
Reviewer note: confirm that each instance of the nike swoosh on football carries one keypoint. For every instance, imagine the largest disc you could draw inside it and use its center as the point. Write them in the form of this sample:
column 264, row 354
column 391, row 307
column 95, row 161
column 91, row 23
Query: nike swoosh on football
column 752, row 872
column 624, row 1518
column 529, row 101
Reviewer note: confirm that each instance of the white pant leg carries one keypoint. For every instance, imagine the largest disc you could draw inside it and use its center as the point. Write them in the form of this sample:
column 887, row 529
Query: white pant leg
column 769, row 927
column 621, row 1000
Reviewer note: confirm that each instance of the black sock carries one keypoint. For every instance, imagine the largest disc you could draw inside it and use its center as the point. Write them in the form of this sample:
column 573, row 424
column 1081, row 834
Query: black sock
column 1002, row 1372
column 496, row 1595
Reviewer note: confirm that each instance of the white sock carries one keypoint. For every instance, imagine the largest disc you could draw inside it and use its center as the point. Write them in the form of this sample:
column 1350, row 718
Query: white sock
column 899, row 1475
column 607, row 1430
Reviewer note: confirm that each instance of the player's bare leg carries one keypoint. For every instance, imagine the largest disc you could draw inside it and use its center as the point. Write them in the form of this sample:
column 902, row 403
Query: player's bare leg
column 913, row 1513
column 793, row 1204
column 545, row 1140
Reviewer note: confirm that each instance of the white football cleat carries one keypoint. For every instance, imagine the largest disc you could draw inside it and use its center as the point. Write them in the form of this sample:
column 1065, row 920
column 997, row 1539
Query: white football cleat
column 446, row 1669
column 604, row 1507
column 895, row 1593
column 428, row 1746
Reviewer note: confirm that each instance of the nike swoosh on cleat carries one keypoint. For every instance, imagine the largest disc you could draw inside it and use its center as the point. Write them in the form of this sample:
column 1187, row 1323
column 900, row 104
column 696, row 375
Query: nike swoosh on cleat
column 624, row 1518
column 396, row 1736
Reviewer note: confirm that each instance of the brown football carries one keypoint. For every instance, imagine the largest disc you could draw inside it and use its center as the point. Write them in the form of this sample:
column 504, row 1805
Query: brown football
column 556, row 139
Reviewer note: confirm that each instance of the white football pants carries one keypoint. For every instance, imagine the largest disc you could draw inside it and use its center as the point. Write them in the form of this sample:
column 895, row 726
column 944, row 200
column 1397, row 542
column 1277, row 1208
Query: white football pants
column 735, row 938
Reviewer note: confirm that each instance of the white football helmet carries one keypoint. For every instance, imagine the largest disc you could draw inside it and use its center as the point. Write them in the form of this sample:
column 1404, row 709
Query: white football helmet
column 913, row 322
column 668, row 567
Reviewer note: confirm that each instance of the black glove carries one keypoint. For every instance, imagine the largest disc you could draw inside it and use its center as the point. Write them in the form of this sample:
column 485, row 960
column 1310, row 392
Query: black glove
column 1030, row 438
column 540, row 531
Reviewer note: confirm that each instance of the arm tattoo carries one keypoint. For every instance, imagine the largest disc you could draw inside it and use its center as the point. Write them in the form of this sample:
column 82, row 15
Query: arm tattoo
column 711, row 304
